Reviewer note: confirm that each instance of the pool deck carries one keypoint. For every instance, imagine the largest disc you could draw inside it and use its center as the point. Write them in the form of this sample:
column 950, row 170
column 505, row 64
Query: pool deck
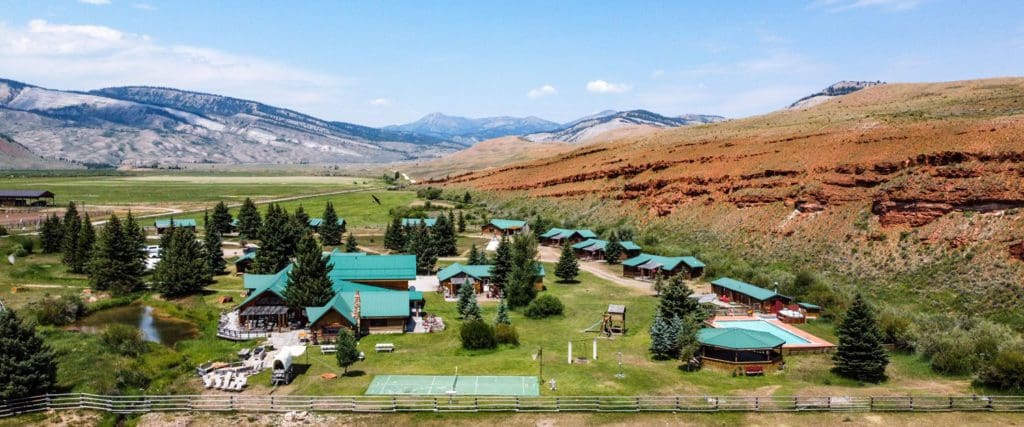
column 814, row 344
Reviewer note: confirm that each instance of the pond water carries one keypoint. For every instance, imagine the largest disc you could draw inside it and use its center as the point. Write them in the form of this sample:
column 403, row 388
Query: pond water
column 158, row 329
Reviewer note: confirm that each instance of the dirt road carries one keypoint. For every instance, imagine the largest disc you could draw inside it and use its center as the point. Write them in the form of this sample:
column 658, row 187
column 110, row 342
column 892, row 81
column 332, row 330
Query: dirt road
column 550, row 254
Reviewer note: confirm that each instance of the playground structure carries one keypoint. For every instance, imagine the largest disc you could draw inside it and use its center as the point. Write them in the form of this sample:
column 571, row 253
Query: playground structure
column 613, row 322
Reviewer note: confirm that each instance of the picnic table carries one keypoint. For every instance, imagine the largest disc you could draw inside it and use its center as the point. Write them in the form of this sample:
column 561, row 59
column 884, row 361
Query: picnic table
column 388, row 347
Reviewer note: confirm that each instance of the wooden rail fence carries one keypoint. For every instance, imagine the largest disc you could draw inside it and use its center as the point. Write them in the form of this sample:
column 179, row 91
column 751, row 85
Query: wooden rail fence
column 388, row 404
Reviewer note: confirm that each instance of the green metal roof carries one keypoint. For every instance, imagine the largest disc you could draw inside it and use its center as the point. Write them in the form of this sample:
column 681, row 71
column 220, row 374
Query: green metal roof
column 809, row 305
column 564, row 233
column 506, row 224
column 738, row 339
column 414, row 222
column 248, row 256
column 166, row 223
column 315, row 222
column 355, row 266
column 692, row 262
column 599, row 244
column 667, row 263
column 477, row 271
column 760, row 294
column 385, row 303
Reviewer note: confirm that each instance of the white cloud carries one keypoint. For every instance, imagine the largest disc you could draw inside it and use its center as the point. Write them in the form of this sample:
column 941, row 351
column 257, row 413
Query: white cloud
column 601, row 86
column 542, row 92
column 144, row 6
column 380, row 102
column 95, row 2
column 85, row 57
column 844, row 5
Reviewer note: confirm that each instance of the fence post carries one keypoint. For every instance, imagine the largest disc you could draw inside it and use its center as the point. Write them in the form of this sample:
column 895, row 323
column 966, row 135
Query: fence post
column 678, row 406
column 757, row 404
column 871, row 403
column 911, row 403
column 830, row 403
column 435, row 404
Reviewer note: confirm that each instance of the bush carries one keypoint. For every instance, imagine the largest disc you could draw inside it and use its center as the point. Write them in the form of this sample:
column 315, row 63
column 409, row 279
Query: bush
column 3, row 231
column 58, row 311
column 506, row 334
column 1006, row 371
column 896, row 329
column 544, row 306
column 477, row 335
column 124, row 339
column 28, row 244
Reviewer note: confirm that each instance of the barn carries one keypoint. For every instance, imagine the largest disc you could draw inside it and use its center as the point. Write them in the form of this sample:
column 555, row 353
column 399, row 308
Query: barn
column 25, row 198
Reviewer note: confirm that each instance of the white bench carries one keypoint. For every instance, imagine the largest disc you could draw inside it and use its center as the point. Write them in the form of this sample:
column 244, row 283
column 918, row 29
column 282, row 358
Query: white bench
column 324, row 349
column 388, row 347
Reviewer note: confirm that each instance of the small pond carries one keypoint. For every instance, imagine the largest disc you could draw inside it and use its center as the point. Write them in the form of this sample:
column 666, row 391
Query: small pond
column 159, row 329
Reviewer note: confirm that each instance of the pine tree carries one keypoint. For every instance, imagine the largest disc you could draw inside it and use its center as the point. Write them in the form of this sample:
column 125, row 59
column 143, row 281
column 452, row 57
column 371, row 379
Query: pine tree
column 72, row 232
column 220, row 221
column 297, row 229
column 613, row 250
column 182, row 269
column 472, row 310
column 665, row 337
column 676, row 302
column 135, row 246
column 206, row 219
column 568, row 268
column 502, row 317
column 301, row 216
column 502, row 262
column 860, row 355
column 466, row 198
column 347, row 353
column 466, row 293
column 519, row 288
column 86, row 240
column 308, row 282
column 462, row 223
column 474, row 256
column 659, row 285
column 276, row 234
column 330, row 230
column 687, row 344
column 249, row 221
column 113, row 261
column 395, row 237
column 351, row 245
column 27, row 365
column 420, row 242
column 443, row 237
column 51, row 234
column 215, row 263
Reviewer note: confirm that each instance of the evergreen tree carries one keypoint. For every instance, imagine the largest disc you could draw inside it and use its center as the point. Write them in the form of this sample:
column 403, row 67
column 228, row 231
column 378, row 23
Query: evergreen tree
column 51, row 234
column 860, row 355
column 297, row 229
column 351, row 245
column 568, row 268
column 613, row 250
column 466, row 198
column 249, row 221
column 301, row 216
column 472, row 310
column 220, row 221
column 206, row 219
column 443, row 237
column 135, row 246
column 182, row 269
column 474, row 256
column 330, row 230
column 276, row 234
column 215, row 262
column 676, row 302
column 395, row 236
column 419, row 241
column 687, row 344
column 72, row 232
column 665, row 337
column 86, row 240
column 659, row 285
column 462, row 223
column 502, row 262
column 502, row 317
column 347, row 353
column 308, row 281
column 466, row 293
column 113, row 263
column 451, row 219
column 523, row 274
column 27, row 365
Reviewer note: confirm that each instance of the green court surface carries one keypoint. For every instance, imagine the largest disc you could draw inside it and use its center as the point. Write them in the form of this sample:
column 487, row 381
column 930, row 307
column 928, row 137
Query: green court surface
column 464, row 385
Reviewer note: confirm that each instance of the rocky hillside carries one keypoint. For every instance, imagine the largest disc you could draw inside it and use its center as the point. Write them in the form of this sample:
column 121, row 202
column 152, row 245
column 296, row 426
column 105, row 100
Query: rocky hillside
column 140, row 126
column 881, row 182
column 837, row 89
column 588, row 128
column 485, row 155
column 469, row 131
column 16, row 156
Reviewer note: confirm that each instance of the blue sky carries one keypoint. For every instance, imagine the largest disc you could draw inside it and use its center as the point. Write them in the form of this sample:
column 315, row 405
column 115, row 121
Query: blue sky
column 380, row 63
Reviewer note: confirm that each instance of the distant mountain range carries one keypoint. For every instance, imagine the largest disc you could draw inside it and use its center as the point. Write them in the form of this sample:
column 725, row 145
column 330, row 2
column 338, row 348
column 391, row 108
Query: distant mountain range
column 143, row 126
column 589, row 127
column 469, row 131
column 836, row 89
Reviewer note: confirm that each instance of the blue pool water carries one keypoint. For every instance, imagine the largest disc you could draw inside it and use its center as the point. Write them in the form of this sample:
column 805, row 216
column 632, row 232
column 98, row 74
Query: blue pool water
column 762, row 326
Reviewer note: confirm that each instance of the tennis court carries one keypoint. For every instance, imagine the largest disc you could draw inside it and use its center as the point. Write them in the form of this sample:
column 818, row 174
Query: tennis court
column 464, row 385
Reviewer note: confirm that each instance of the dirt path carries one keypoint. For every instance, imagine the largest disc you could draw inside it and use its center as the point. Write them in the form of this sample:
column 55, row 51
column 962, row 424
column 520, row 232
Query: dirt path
column 551, row 254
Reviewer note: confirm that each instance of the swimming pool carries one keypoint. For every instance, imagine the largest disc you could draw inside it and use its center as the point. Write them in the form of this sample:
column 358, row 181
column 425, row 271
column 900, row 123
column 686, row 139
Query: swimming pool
column 763, row 326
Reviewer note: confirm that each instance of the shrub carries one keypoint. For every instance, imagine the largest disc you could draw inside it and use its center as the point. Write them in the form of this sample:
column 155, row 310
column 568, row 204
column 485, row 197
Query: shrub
column 58, row 311
column 1005, row 372
column 544, row 306
column 477, row 335
column 896, row 329
column 124, row 339
column 25, row 242
column 506, row 334
column 3, row 231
